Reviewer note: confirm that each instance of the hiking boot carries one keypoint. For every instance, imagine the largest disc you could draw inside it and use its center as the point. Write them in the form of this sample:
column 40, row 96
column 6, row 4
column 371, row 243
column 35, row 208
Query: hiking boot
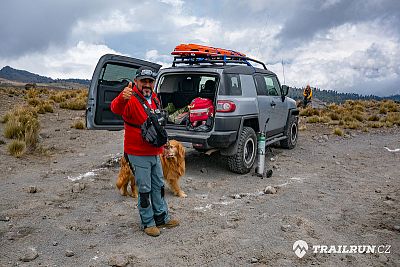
column 170, row 224
column 152, row 231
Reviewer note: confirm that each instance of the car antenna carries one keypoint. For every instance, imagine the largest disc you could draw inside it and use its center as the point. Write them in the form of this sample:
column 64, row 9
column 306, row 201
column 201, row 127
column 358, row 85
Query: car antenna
column 283, row 70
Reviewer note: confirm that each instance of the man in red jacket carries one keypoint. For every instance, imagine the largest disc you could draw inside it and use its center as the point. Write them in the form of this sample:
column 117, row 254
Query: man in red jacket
column 143, row 156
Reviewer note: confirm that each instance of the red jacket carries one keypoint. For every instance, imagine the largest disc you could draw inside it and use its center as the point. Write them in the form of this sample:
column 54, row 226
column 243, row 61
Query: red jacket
column 133, row 112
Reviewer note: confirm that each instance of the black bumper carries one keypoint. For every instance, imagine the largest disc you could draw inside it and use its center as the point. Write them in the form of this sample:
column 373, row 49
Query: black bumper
column 204, row 140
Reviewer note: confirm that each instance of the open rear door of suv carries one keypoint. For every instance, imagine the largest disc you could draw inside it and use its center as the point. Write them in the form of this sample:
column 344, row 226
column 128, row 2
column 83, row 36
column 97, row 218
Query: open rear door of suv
column 111, row 76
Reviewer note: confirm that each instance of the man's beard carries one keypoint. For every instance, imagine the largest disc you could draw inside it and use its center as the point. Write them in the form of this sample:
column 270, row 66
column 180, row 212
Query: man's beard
column 146, row 91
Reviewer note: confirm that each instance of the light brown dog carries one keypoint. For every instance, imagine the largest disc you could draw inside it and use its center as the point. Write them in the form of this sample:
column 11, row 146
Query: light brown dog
column 173, row 165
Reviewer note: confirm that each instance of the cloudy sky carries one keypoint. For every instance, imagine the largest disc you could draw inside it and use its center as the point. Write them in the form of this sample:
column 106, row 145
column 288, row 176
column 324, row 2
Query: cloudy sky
column 343, row 45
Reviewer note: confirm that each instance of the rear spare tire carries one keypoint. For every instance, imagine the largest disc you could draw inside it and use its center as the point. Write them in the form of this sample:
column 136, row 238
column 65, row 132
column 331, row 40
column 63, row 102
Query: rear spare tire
column 244, row 159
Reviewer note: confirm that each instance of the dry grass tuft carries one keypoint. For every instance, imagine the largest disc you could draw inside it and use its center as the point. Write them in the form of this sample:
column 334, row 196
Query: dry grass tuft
column 78, row 125
column 373, row 117
column 17, row 148
column 313, row 119
column 338, row 131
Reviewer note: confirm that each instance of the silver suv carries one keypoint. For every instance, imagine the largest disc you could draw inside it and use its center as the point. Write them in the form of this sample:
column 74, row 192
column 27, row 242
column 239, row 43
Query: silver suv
column 244, row 97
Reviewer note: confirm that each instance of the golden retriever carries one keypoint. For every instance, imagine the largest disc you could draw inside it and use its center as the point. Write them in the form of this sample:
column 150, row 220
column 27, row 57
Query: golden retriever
column 173, row 165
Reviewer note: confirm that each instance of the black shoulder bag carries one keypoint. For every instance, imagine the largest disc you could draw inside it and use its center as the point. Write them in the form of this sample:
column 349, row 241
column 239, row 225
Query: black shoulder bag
column 152, row 131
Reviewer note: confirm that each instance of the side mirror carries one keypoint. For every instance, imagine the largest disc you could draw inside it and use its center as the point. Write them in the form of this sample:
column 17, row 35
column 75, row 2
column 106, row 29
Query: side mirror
column 285, row 90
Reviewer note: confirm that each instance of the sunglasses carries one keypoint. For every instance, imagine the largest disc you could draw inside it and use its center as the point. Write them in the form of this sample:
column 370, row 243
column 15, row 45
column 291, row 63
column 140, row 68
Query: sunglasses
column 147, row 73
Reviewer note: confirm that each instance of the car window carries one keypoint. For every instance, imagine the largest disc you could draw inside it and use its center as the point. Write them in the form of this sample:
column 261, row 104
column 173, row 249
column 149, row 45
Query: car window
column 113, row 72
column 272, row 88
column 261, row 85
column 232, row 85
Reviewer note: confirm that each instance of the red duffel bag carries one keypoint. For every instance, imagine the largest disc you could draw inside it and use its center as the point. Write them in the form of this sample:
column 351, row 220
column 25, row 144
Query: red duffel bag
column 200, row 109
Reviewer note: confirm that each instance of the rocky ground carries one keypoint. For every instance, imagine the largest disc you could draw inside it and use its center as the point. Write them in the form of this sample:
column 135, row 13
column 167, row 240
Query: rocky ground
column 63, row 209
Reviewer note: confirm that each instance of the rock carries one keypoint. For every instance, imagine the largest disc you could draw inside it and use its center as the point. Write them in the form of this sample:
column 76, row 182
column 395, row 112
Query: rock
column 286, row 227
column 32, row 189
column 57, row 130
column 55, row 161
column 69, row 253
column 81, row 154
column 396, row 228
column 44, row 135
column 337, row 163
column 29, row 255
column 203, row 170
column 76, row 188
column 325, row 137
column 272, row 159
column 4, row 218
column 237, row 196
column 55, row 243
column 82, row 186
column 254, row 260
column 378, row 191
column 118, row 260
column 270, row 190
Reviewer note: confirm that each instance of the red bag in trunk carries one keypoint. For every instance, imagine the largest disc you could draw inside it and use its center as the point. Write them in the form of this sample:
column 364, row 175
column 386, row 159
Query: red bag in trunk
column 200, row 109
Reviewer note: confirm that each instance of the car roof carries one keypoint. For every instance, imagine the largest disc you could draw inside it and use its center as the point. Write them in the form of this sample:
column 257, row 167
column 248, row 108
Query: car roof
column 228, row 68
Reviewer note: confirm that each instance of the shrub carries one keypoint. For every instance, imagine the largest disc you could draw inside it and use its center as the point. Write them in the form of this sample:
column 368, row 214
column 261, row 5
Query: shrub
column 334, row 116
column 78, row 125
column 33, row 101
column 382, row 110
column 375, row 124
column 313, row 119
column 373, row 117
column 16, row 148
column 393, row 118
column 353, row 125
column 21, row 119
column 74, row 104
column 338, row 131
column 324, row 119
column 359, row 116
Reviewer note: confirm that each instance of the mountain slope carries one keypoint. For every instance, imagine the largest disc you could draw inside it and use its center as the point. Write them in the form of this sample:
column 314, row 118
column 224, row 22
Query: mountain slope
column 27, row 77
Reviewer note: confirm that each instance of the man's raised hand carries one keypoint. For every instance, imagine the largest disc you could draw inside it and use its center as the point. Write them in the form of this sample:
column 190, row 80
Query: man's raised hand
column 127, row 92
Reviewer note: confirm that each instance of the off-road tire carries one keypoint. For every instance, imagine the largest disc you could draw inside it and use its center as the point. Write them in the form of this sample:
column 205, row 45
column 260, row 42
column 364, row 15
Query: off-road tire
column 242, row 161
column 292, row 133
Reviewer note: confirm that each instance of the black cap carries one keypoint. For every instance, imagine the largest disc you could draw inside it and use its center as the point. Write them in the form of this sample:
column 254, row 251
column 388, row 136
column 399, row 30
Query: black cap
column 146, row 73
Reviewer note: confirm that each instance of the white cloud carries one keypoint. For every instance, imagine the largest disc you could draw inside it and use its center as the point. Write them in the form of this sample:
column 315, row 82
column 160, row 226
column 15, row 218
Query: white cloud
column 78, row 61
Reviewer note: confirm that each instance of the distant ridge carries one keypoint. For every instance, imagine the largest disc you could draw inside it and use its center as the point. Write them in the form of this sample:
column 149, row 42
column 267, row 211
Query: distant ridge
column 28, row 77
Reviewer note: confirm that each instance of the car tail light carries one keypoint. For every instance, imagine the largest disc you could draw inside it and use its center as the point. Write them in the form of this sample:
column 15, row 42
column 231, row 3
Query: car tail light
column 225, row 106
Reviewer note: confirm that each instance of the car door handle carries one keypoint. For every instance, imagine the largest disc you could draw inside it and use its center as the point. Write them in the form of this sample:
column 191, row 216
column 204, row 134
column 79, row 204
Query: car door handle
column 273, row 104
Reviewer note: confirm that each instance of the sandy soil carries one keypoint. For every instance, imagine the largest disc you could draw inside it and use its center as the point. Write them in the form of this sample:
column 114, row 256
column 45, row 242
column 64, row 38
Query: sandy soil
column 330, row 191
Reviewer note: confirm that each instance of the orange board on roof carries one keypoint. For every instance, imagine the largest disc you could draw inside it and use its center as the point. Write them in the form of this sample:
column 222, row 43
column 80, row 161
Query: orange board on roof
column 202, row 50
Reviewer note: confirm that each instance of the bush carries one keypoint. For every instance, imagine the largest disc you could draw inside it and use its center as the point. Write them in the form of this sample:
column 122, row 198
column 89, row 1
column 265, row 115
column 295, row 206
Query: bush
column 334, row 116
column 373, row 118
column 74, row 104
column 16, row 148
column 313, row 119
column 338, row 131
column 78, row 125
column 20, row 120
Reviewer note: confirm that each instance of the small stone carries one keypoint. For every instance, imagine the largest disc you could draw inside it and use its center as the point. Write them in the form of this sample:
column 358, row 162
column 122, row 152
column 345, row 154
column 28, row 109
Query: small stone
column 118, row 260
column 4, row 218
column 286, row 227
column 378, row 191
column 55, row 243
column 55, row 161
column 32, row 189
column 57, row 130
column 203, row 170
column 270, row 190
column 272, row 159
column 29, row 255
column 236, row 196
column 396, row 228
column 337, row 163
column 82, row 186
column 325, row 137
column 254, row 260
column 76, row 188
column 81, row 154
column 69, row 253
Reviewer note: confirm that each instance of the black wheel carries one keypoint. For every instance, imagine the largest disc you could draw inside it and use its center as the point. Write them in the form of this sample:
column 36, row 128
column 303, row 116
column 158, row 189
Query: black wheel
column 291, row 131
column 243, row 160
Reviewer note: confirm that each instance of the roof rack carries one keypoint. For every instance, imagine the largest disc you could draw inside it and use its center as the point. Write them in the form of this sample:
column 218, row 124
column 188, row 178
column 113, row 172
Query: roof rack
column 197, row 59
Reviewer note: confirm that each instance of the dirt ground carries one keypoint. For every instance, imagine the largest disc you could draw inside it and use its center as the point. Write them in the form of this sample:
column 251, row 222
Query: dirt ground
column 330, row 191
